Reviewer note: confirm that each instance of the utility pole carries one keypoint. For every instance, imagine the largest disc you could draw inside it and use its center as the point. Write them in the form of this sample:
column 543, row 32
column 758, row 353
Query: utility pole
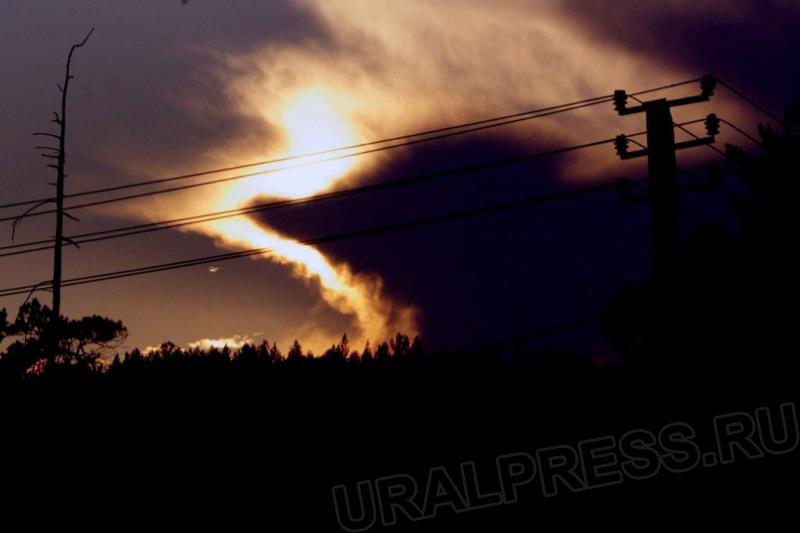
column 662, row 169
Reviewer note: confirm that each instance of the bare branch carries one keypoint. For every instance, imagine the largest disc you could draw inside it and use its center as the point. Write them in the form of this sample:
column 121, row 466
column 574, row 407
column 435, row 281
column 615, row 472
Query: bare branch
column 71, row 217
column 25, row 214
column 82, row 42
column 70, row 241
column 46, row 148
column 35, row 287
column 53, row 135
column 87, row 36
column 49, row 156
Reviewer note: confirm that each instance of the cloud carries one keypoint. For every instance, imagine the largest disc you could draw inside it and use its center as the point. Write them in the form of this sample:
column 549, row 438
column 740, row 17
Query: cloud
column 233, row 342
column 168, row 89
column 236, row 341
column 751, row 43
column 397, row 67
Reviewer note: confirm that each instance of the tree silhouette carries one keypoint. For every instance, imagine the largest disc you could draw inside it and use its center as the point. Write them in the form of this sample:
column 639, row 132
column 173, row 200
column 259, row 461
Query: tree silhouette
column 295, row 352
column 4, row 325
column 722, row 310
column 80, row 343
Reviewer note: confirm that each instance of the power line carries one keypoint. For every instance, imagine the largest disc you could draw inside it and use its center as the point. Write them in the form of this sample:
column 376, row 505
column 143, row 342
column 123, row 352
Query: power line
column 751, row 102
column 444, row 133
column 697, row 137
column 741, row 131
column 249, row 175
column 388, row 228
column 664, row 87
column 474, row 126
column 733, row 126
column 212, row 182
column 209, row 217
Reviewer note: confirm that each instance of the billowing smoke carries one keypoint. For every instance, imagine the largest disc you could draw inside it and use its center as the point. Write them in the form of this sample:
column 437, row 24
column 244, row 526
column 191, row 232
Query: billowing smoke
column 214, row 85
column 389, row 68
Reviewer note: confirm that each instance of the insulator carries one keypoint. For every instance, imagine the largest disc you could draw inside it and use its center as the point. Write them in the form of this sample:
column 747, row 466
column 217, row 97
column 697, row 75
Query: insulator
column 620, row 100
column 621, row 145
column 708, row 84
column 712, row 124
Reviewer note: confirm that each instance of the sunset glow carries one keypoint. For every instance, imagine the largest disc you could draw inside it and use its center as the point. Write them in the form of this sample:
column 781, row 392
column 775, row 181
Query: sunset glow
column 262, row 82
column 311, row 123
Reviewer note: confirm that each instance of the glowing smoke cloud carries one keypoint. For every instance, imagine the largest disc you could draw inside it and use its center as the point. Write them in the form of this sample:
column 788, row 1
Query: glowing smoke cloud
column 312, row 124
column 391, row 68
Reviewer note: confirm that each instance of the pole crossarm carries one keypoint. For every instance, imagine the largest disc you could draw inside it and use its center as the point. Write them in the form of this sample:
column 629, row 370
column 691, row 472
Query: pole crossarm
column 712, row 128
column 708, row 85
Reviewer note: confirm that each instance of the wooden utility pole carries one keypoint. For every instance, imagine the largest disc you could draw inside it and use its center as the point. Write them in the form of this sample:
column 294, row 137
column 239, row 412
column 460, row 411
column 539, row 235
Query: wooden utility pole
column 663, row 181
column 662, row 169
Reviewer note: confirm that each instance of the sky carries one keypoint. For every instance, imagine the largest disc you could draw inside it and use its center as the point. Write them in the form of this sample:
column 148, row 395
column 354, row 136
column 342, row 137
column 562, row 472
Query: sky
column 164, row 88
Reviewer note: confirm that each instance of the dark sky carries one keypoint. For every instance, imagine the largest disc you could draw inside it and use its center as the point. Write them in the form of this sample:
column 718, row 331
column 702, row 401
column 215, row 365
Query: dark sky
column 164, row 88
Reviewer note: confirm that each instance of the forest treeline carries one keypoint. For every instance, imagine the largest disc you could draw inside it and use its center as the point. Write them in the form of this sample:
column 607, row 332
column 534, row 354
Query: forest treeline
column 84, row 347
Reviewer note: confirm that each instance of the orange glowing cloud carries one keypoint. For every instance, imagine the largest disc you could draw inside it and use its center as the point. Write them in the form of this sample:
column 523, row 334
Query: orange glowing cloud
column 393, row 68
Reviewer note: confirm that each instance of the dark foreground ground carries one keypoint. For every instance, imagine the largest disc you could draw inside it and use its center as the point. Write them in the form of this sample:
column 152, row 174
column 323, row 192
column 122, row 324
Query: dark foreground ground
column 244, row 450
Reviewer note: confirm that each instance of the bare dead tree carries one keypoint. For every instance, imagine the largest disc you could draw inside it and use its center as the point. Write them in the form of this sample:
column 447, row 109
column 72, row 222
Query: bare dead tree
column 59, row 155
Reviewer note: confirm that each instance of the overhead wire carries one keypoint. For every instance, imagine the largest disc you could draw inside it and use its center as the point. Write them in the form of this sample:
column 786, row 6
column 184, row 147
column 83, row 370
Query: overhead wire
column 387, row 228
column 446, row 131
column 208, row 217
